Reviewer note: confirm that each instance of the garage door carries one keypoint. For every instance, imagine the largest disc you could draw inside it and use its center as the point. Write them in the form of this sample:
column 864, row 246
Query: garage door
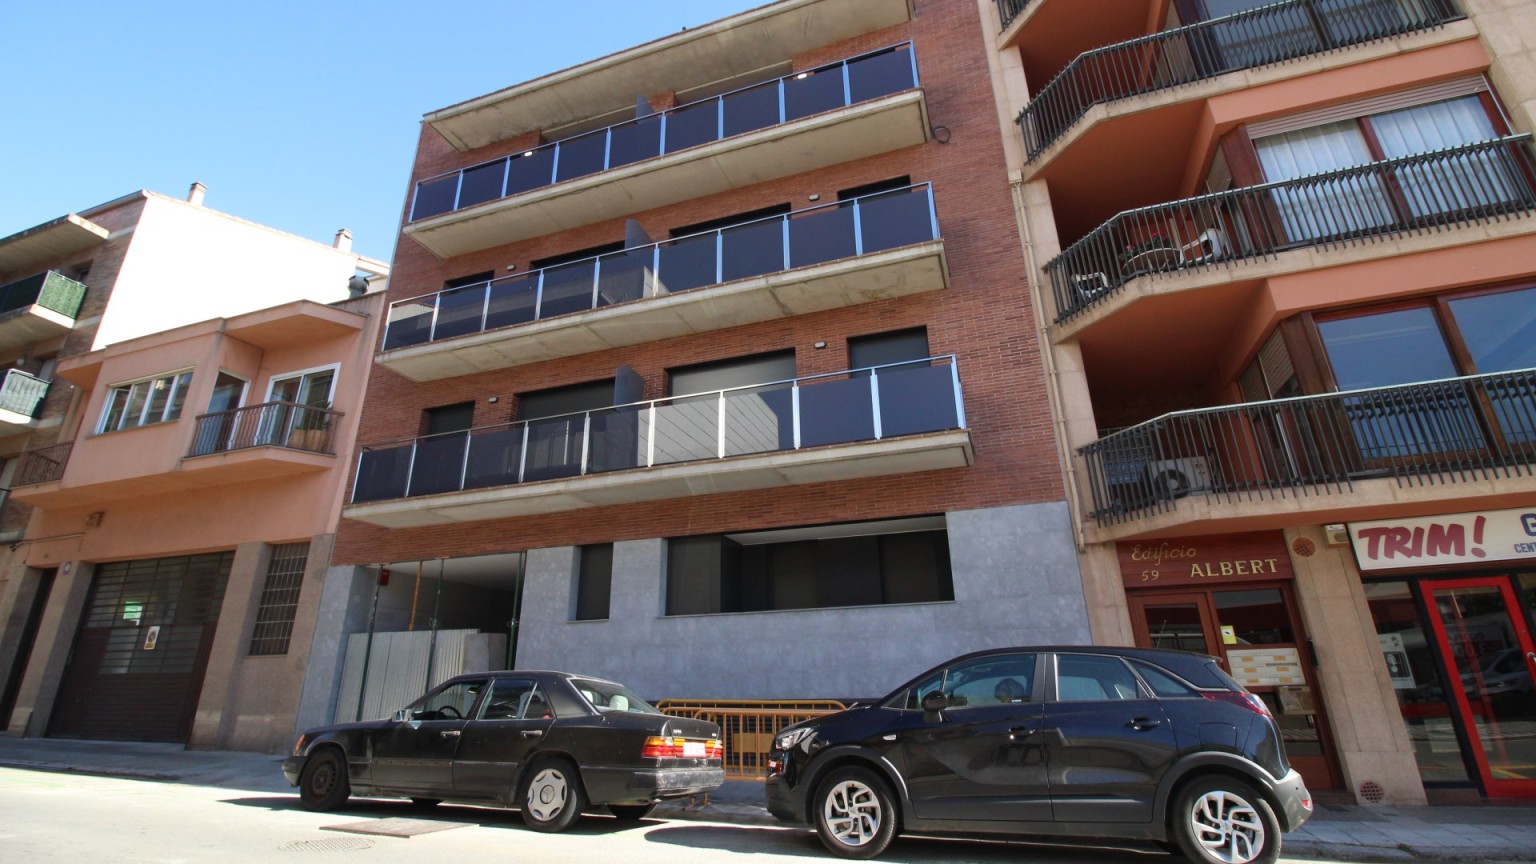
column 139, row 659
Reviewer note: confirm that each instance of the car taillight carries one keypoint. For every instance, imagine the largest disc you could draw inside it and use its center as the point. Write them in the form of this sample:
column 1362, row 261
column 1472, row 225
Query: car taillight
column 1243, row 700
column 681, row 748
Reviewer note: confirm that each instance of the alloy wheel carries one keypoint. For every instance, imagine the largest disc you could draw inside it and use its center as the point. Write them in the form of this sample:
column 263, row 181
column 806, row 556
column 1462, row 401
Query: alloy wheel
column 852, row 812
column 1228, row 827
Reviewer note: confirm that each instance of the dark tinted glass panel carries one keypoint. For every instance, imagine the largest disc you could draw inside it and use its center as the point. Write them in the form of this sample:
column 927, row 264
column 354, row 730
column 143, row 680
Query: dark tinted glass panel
column 813, row 92
column 494, row 456
column 759, row 421
column 895, row 219
column 554, row 448
column 1257, row 617
column 634, row 141
column 884, row 348
column 1427, row 706
column 530, row 170
column 622, row 277
column 752, row 250
column 482, row 183
column 459, row 311
column 693, row 125
column 751, row 109
column 439, row 463
column 410, row 323
column 381, row 473
column 688, row 263
column 567, row 289
column 615, row 440
column 1162, row 683
column 916, row 399
column 595, row 582
column 511, row 302
column 581, row 156
column 1499, row 329
column 686, row 429
column 834, row 412
column 435, row 196
column 880, row 74
column 821, row 235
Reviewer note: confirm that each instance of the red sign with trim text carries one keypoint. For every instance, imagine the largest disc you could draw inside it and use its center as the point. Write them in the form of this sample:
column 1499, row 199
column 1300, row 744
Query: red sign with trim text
column 1204, row 560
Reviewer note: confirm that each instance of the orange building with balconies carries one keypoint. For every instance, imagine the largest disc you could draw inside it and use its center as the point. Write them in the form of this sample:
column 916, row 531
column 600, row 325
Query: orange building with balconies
column 1285, row 258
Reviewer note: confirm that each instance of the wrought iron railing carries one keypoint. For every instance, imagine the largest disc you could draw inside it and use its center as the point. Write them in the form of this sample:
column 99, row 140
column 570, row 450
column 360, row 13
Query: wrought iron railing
column 270, row 424
column 1474, row 183
column 1258, row 37
column 826, row 88
column 22, row 393
column 858, row 226
column 1010, row 9
column 43, row 465
column 868, row 404
column 50, row 290
column 1436, row 432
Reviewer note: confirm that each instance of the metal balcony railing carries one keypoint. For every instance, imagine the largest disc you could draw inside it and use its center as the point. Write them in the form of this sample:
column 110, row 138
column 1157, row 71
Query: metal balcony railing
column 43, row 465
column 1433, row 433
column 1259, row 37
column 836, row 85
column 22, row 393
column 50, row 290
column 270, row 424
column 868, row 404
column 1475, row 183
column 1010, row 9
column 858, row 226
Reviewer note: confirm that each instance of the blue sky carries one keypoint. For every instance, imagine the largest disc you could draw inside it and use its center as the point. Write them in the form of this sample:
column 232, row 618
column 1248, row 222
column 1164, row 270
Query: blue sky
column 298, row 115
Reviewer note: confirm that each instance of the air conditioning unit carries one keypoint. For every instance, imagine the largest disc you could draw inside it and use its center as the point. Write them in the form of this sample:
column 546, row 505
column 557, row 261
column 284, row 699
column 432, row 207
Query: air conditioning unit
column 1175, row 478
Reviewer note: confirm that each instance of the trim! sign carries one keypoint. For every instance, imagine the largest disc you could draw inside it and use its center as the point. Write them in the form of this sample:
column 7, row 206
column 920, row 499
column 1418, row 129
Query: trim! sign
column 1459, row 538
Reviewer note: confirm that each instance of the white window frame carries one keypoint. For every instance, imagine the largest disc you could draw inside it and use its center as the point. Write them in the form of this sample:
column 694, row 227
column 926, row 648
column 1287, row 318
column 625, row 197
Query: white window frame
column 277, row 378
column 180, row 385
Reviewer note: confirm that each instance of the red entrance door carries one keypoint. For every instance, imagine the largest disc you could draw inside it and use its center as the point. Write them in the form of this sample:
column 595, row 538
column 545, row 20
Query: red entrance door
column 1489, row 651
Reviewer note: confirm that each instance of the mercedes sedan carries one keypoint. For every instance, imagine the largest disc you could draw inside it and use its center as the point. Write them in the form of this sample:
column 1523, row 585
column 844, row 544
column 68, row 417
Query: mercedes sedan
column 1127, row 743
column 550, row 743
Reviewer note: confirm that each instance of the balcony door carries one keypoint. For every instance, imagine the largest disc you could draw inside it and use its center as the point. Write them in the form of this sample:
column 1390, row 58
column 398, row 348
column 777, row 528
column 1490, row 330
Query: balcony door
column 311, row 389
column 220, row 430
column 1487, row 646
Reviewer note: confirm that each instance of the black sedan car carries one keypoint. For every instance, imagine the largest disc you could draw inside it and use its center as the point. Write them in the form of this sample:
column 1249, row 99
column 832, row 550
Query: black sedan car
column 550, row 743
column 1078, row 742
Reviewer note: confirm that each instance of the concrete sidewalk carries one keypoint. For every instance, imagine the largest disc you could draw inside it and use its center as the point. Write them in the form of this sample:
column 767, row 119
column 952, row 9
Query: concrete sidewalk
column 1483, row 834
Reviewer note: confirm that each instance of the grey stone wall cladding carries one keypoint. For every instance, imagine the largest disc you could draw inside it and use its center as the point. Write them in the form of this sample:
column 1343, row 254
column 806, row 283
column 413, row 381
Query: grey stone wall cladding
column 1016, row 583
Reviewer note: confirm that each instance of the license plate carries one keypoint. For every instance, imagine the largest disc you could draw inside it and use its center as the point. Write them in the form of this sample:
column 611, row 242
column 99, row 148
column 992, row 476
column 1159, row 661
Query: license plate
column 693, row 748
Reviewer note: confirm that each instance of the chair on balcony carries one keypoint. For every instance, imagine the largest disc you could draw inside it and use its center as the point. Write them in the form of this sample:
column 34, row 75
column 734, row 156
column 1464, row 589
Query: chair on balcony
column 1210, row 246
column 1090, row 285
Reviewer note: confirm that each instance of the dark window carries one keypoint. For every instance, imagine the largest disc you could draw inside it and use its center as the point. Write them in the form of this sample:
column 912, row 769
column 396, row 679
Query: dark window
column 1161, row 682
column 577, row 255
column 594, row 582
column 279, row 599
column 880, row 349
column 728, row 221
column 735, row 372
column 471, row 279
column 811, row 568
column 1256, row 617
column 565, row 400
column 449, row 418
column 878, row 186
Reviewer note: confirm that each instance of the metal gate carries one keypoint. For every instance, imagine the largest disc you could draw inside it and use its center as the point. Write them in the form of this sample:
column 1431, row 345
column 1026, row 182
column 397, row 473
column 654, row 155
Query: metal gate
column 139, row 659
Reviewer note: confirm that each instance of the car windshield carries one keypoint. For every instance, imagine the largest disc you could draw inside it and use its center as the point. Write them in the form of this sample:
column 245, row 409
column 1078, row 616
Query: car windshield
column 607, row 696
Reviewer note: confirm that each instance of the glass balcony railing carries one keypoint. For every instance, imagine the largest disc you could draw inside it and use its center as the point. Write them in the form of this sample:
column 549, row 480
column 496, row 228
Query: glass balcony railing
column 858, row 226
column 1438, row 432
column 1471, row 184
column 276, row 424
column 49, row 290
column 1010, row 9
column 21, row 393
column 869, row 404
column 1259, row 37
column 836, row 85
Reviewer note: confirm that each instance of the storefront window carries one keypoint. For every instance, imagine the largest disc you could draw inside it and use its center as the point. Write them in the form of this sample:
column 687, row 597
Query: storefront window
column 1256, row 617
column 1421, row 696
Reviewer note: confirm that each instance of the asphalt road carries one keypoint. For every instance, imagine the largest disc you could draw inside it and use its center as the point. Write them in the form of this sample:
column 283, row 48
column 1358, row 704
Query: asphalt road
column 51, row 817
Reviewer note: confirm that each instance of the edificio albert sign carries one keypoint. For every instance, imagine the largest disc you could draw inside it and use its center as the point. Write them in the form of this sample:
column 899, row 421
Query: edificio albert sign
column 1203, row 560
column 1457, row 538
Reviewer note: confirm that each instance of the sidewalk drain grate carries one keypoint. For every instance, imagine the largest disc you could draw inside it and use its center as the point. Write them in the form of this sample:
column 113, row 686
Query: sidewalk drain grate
column 393, row 827
column 337, row 844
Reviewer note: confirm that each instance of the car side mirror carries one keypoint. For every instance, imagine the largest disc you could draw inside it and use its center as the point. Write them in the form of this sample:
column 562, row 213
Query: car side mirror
column 935, row 702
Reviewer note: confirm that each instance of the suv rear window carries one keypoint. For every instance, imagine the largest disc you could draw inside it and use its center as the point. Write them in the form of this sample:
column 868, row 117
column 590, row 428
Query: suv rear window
column 1161, row 682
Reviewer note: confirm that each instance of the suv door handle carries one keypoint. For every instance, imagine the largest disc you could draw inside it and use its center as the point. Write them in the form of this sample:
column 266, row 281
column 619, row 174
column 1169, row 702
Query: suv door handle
column 452, row 733
column 1142, row 724
column 1018, row 732
column 532, row 733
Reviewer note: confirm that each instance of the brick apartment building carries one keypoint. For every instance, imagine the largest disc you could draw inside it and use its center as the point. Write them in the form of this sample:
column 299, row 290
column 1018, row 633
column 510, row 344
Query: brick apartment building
column 711, row 367
column 177, row 415
column 1286, row 260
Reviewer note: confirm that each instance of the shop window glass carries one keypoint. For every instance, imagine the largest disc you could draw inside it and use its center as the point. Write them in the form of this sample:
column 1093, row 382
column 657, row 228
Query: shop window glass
column 1406, row 652
column 1256, row 617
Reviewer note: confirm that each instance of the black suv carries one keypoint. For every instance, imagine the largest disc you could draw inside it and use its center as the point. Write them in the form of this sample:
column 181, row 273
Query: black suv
column 1078, row 742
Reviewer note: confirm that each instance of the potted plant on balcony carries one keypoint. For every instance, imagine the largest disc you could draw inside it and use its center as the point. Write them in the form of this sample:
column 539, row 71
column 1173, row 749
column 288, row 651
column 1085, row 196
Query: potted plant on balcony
column 313, row 430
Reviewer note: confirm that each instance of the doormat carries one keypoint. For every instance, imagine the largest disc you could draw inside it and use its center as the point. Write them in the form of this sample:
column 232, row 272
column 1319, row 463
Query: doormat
column 395, row 827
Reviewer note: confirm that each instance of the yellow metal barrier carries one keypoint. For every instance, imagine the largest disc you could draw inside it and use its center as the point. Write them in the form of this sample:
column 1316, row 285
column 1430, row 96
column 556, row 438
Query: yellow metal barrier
column 748, row 727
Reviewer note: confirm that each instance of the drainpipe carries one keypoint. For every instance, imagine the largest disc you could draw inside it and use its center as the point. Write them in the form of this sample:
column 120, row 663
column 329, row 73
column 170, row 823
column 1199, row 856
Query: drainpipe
column 373, row 615
column 437, row 603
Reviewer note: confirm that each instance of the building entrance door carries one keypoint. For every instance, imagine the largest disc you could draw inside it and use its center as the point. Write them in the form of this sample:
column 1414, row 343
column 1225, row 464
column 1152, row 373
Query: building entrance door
column 1487, row 646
